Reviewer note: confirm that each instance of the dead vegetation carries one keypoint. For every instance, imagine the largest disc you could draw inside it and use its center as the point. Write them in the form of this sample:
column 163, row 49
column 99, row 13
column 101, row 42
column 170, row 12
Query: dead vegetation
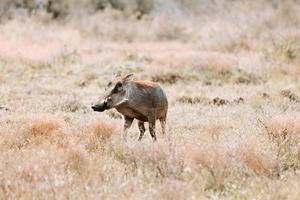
column 290, row 95
column 206, row 101
column 231, row 73
column 193, row 99
column 228, row 76
column 42, row 125
column 73, row 105
column 171, row 77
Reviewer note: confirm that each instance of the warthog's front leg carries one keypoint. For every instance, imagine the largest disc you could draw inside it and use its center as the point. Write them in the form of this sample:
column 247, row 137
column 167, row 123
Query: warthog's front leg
column 151, row 119
column 142, row 129
column 127, row 123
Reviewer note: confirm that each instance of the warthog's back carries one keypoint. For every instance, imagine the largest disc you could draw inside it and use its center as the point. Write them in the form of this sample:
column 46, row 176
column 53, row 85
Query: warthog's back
column 144, row 97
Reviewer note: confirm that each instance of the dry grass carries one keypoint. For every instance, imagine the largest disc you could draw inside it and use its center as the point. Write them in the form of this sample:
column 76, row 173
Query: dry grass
column 42, row 125
column 98, row 133
column 257, row 161
column 230, row 70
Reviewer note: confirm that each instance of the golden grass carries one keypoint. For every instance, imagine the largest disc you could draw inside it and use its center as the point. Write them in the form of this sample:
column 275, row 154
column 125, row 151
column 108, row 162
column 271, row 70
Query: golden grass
column 256, row 161
column 232, row 83
column 102, row 130
column 77, row 160
column 42, row 125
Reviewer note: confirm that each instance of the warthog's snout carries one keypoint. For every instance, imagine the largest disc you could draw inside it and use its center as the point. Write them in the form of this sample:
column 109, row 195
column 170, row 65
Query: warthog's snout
column 99, row 107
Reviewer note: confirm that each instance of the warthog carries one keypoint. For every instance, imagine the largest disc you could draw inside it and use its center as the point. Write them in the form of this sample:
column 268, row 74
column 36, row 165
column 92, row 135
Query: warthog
column 142, row 100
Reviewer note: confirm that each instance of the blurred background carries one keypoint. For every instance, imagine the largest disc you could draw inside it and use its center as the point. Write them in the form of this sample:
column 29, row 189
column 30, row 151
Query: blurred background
column 232, row 24
column 230, row 69
column 207, row 44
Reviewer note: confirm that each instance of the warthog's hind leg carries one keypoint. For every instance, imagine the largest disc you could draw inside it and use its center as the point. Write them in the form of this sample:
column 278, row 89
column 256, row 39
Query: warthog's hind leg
column 142, row 129
column 163, row 125
column 151, row 119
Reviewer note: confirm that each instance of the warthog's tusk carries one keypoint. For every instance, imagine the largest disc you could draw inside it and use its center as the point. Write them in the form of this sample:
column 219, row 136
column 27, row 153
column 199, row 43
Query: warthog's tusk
column 123, row 101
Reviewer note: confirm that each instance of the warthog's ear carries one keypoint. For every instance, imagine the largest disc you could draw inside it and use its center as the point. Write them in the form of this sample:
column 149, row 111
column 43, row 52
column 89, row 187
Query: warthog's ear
column 118, row 74
column 128, row 77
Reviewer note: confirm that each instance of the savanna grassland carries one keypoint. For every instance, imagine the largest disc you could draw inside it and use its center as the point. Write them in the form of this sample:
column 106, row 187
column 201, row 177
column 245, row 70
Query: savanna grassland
column 231, row 73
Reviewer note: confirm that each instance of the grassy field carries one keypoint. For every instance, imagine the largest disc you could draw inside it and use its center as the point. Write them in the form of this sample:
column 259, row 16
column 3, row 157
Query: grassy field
column 231, row 73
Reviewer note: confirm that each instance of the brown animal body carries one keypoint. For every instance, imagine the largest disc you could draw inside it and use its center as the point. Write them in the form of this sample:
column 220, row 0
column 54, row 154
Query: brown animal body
column 142, row 100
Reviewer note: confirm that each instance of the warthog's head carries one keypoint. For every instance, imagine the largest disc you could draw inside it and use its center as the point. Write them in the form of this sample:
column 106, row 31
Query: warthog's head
column 114, row 94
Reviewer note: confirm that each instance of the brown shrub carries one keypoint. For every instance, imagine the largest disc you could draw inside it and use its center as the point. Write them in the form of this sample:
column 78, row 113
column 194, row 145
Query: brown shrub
column 289, row 94
column 221, row 71
column 284, row 133
column 192, row 99
column 46, row 129
column 204, row 100
column 214, row 130
column 264, row 95
column 136, row 8
column 285, row 48
column 219, row 101
column 99, row 133
column 258, row 161
column 2, row 108
column 218, row 75
column 282, row 127
column 102, row 130
column 12, row 137
column 73, row 105
column 239, row 100
column 169, row 77
column 245, row 78
column 43, row 125
column 155, row 159
column 77, row 160
column 211, row 160
column 87, row 78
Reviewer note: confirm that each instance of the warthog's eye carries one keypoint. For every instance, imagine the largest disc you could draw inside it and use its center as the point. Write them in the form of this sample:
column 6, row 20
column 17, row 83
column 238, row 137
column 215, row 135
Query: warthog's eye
column 109, row 84
column 117, row 87
column 119, row 84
